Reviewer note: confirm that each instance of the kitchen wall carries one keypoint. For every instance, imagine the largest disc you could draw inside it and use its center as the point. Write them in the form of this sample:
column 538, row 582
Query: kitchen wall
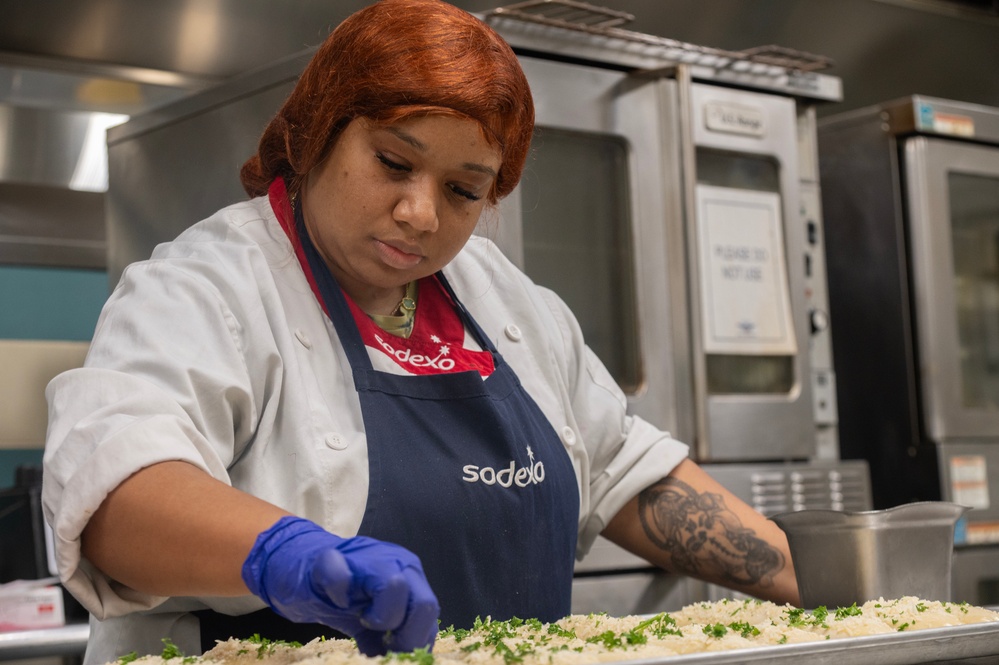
column 47, row 317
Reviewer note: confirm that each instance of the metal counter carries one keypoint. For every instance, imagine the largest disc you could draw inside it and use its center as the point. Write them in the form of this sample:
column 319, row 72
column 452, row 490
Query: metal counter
column 68, row 640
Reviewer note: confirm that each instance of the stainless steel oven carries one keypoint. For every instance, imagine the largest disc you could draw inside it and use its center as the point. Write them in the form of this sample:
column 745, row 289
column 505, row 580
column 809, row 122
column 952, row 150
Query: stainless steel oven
column 911, row 197
column 671, row 197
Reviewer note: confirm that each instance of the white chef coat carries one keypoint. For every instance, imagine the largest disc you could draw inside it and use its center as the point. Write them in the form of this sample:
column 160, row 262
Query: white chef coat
column 216, row 352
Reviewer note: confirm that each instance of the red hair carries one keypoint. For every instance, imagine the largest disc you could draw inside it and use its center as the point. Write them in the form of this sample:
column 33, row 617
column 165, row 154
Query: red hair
column 393, row 60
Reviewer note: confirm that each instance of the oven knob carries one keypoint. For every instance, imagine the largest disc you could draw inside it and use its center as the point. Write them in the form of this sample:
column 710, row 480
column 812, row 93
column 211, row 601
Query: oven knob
column 818, row 320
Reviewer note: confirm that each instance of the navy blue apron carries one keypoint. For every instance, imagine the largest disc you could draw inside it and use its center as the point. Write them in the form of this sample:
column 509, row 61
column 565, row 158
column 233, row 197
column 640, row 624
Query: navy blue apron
column 465, row 472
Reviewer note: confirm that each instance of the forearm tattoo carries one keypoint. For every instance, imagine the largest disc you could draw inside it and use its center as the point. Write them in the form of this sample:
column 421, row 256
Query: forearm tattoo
column 703, row 537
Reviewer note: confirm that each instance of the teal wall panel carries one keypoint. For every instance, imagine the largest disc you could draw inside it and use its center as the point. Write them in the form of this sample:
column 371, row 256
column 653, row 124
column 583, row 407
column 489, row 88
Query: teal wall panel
column 50, row 303
column 11, row 459
column 46, row 304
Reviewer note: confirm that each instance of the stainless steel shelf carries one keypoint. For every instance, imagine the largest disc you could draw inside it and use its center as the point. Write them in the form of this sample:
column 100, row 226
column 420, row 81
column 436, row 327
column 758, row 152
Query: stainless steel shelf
column 68, row 640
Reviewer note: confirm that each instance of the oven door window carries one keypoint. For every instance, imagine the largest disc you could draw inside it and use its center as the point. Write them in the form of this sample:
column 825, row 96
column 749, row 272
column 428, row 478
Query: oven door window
column 974, row 221
column 578, row 242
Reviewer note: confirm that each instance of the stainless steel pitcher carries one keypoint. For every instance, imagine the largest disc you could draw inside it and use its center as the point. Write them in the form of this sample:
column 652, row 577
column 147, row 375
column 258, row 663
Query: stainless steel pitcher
column 841, row 558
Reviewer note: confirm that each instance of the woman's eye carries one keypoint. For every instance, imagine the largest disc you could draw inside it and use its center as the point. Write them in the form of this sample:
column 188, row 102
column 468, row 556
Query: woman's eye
column 464, row 193
column 394, row 166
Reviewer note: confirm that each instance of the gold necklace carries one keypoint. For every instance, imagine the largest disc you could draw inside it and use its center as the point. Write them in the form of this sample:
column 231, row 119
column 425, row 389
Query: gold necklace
column 407, row 305
column 400, row 322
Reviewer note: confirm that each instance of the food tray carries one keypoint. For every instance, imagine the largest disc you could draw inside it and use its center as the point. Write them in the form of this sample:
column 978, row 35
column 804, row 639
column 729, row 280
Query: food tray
column 917, row 647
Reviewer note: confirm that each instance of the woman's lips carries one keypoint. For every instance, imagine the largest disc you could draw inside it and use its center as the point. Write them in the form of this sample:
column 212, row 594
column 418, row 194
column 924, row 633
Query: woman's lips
column 398, row 255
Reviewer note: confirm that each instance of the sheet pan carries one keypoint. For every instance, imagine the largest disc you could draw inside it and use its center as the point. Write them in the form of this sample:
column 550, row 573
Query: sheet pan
column 917, row 647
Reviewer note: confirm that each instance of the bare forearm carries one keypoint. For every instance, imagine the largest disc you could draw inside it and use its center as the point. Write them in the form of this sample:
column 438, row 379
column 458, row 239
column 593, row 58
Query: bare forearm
column 171, row 529
column 688, row 523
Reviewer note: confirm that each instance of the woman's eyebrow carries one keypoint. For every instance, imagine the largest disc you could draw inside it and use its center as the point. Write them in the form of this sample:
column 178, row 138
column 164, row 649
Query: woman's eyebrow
column 408, row 138
column 420, row 146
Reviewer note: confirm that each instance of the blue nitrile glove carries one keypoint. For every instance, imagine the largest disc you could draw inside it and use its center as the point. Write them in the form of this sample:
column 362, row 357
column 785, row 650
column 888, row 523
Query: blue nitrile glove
column 374, row 591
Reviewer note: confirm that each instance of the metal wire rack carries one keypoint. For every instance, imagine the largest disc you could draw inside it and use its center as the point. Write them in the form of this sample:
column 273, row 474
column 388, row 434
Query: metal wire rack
column 604, row 22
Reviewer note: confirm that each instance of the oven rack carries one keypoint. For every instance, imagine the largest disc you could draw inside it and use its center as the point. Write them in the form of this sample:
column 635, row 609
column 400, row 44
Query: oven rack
column 604, row 22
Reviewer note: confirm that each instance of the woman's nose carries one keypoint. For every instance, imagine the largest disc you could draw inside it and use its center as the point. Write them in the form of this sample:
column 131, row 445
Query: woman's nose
column 418, row 205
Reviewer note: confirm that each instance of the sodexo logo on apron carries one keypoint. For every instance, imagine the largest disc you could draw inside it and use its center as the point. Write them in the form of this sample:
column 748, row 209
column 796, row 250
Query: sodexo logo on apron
column 507, row 476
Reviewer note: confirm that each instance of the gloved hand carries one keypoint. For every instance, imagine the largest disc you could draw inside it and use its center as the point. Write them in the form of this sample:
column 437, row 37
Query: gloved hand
column 374, row 591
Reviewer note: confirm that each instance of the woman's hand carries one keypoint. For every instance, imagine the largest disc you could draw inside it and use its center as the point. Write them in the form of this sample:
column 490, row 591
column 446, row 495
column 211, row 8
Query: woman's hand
column 374, row 591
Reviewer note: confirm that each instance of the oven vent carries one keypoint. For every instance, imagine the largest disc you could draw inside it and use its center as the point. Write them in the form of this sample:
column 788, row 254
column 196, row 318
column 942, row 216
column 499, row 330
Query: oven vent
column 604, row 22
column 842, row 488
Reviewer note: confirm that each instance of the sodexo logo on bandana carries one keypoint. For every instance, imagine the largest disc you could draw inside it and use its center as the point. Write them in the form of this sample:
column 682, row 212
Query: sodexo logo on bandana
column 405, row 356
column 507, row 476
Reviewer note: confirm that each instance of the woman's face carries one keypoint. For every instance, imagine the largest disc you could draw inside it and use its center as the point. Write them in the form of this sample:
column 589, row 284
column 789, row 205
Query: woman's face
column 394, row 203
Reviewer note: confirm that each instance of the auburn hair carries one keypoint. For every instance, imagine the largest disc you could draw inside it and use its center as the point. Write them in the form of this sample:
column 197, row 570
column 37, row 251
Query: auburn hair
column 393, row 60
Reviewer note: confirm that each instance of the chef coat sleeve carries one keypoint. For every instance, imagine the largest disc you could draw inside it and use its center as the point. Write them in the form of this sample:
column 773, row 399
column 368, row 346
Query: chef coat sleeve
column 624, row 453
column 165, row 379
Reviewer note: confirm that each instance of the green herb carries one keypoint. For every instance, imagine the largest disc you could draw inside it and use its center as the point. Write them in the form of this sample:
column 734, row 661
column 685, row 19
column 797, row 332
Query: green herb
column 782, row 640
column 745, row 629
column 609, row 639
column 128, row 658
column 555, row 629
column 419, row 656
column 715, row 630
column 661, row 625
column 457, row 633
column 508, row 654
column 844, row 612
column 170, row 650
column 796, row 617
column 474, row 646
column 903, row 627
column 266, row 647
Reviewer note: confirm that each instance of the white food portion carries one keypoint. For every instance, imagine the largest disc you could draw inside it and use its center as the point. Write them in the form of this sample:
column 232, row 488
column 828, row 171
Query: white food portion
column 584, row 639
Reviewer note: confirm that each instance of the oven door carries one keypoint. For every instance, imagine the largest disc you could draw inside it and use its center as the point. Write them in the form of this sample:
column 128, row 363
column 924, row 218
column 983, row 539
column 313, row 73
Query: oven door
column 952, row 191
column 588, row 222
column 749, row 308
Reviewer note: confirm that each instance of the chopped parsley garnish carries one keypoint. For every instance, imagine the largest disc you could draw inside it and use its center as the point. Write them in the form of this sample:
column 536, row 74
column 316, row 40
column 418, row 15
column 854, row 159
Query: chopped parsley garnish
column 745, row 629
column 266, row 646
column 609, row 639
column 418, row 656
column 795, row 617
column 128, row 658
column 170, row 650
column 715, row 630
column 555, row 629
column 844, row 612
column 660, row 626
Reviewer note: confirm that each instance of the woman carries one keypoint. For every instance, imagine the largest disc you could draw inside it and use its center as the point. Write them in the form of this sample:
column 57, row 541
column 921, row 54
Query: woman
column 332, row 405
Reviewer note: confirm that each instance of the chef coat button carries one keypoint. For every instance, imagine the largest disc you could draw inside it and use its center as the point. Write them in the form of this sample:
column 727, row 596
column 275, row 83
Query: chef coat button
column 303, row 339
column 513, row 332
column 568, row 436
column 336, row 442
